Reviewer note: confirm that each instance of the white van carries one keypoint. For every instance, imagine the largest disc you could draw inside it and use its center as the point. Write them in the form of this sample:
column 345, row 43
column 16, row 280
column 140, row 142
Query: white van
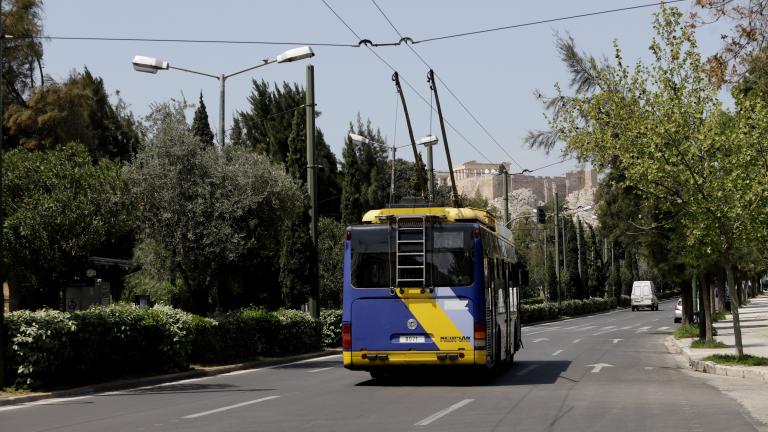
column 644, row 296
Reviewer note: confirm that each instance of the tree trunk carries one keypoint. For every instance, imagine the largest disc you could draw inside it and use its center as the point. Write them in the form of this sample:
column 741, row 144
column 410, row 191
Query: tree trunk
column 706, row 307
column 687, row 295
column 735, row 310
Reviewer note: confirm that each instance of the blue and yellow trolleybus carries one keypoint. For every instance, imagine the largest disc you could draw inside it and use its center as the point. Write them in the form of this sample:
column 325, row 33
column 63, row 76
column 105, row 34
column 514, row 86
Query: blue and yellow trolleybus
column 429, row 286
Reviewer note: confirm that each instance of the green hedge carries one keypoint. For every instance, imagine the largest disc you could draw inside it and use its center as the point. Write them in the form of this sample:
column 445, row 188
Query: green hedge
column 48, row 348
column 552, row 311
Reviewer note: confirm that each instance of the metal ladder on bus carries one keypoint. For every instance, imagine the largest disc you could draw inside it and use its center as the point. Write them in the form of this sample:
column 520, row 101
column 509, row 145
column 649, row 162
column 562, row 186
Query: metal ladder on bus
column 410, row 257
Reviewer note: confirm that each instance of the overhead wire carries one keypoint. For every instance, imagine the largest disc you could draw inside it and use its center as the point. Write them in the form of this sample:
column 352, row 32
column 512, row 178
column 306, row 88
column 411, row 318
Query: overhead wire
column 407, row 82
column 362, row 41
column 194, row 41
column 461, row 103
column 545, row 21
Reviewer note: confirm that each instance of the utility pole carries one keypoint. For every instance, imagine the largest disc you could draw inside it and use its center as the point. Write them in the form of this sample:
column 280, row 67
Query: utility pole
column 2, row 219
column 579, row 232
column 503, row 172
column 314, row 309
column 392, row 179
column 557, row 244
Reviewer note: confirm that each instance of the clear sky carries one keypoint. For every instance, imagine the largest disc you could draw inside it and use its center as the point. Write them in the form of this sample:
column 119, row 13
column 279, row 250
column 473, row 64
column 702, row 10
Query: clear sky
column 493, row 74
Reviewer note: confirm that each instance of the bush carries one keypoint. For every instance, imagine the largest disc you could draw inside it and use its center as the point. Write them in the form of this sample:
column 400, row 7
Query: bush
column 687, row 331
column 254, row 332
column 331, row 322
column 551, row 311
column 39, row 347
column 49, row 348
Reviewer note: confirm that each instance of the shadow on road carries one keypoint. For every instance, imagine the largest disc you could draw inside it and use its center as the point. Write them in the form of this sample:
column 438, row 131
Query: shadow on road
column 521, row 373
column 312, row 365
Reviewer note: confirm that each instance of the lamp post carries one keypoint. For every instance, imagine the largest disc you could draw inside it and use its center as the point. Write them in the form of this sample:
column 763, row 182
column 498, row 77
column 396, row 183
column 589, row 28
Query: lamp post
column 359, row 140
column 152, row 65
column 503, row 172
column 428, row 141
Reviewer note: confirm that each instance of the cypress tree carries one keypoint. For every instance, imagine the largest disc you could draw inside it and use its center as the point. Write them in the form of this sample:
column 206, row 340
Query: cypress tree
column 200, row 126
column 351, row 202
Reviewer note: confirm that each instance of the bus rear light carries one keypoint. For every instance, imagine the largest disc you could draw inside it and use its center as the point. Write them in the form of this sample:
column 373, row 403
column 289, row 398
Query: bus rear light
column 461, row 355
column 364, row 356
column 346, row 336
column 480, row 335
column 349, row 234
column 476, row 232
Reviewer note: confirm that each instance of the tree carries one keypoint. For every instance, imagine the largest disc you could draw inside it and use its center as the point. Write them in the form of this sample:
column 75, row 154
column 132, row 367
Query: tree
column 330, row 240
column 200, row 126
column 298, row 261
column 662, row 124
column 78, row 110
column 210, row 210
column 59, row 210
column 744, row 50
column 273, row 126
column 23, row 53
column 366, row 180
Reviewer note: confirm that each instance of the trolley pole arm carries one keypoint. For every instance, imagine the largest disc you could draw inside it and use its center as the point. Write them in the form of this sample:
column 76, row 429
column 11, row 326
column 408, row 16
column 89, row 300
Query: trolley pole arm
column 454, row 190
column 419, row 170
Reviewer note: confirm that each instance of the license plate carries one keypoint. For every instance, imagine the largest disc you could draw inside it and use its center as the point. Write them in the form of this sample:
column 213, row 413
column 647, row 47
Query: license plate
column 412, row 339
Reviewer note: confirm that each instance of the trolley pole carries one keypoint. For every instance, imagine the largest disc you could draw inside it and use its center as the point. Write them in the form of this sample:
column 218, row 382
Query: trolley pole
column 314, row 309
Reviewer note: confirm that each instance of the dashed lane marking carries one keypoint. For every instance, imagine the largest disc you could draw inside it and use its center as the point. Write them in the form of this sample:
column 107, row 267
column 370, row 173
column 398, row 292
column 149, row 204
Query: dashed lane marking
column 576, row 340
column 557, row 352
column 443, row 413
column 527, row 369
column 226, row 408
column 321, row 369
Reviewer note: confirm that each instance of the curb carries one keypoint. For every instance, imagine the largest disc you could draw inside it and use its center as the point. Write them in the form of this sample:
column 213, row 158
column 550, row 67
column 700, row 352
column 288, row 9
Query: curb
column 197, row 372
column 744, row 372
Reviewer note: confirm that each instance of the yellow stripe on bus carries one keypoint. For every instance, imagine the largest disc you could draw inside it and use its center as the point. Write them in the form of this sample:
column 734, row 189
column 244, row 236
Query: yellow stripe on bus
column 444, row 332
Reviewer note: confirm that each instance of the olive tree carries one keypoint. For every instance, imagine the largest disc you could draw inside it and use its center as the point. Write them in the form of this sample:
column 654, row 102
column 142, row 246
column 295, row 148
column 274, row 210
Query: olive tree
column 209, row 209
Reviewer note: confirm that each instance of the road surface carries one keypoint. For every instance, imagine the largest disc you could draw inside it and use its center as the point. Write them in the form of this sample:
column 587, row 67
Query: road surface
column 606, row 372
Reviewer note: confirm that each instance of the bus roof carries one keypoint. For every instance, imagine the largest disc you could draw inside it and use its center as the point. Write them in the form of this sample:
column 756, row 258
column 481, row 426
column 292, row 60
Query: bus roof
column 451, row 214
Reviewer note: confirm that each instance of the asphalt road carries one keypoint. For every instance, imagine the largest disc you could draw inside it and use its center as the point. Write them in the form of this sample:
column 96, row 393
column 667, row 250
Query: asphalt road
column 607, row 372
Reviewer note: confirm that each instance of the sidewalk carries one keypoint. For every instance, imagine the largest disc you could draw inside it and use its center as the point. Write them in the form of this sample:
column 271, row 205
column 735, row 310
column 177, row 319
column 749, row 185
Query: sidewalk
column 195, row 372
column 754, row 336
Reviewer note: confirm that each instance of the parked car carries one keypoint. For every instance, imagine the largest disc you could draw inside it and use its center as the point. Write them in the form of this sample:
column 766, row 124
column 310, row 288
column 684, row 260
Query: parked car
column 679, row 311
column 644, row 296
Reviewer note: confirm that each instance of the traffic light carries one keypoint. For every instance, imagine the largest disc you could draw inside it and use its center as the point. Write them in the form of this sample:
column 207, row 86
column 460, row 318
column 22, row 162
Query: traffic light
column 541, row 215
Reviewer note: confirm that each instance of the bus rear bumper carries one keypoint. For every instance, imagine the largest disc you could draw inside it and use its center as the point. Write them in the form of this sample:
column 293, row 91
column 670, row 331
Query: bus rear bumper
column 367, row 360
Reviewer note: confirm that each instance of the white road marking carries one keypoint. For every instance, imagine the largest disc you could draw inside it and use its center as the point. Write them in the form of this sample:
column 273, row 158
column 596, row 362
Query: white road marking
column 599, row 366
column 616, row 340
column 444, row 412
column 649, row 368
column 217, row 410
column 576, row 340
column 527, row 369
column 642, row 329
column 663, row 328
column 321, row 369
column 629, row 327
column 540, row 339
column 557, row 352
column 588, row 327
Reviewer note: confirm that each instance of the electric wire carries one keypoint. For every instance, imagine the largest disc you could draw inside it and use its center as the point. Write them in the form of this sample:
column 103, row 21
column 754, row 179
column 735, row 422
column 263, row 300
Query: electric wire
column 407, row 82
column 191, row 41
column 461, row 103
column 545, row 21
column 362, row 41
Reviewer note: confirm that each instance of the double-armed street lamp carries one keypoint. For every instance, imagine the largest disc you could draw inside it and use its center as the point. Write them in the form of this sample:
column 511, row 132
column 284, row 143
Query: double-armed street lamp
column 427, row 141
column 152, row 65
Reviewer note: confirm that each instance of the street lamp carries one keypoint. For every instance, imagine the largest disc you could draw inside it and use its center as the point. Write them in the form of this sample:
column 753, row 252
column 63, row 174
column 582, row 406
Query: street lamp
column 359, row 139
column 152, row 65
column 428, row 141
